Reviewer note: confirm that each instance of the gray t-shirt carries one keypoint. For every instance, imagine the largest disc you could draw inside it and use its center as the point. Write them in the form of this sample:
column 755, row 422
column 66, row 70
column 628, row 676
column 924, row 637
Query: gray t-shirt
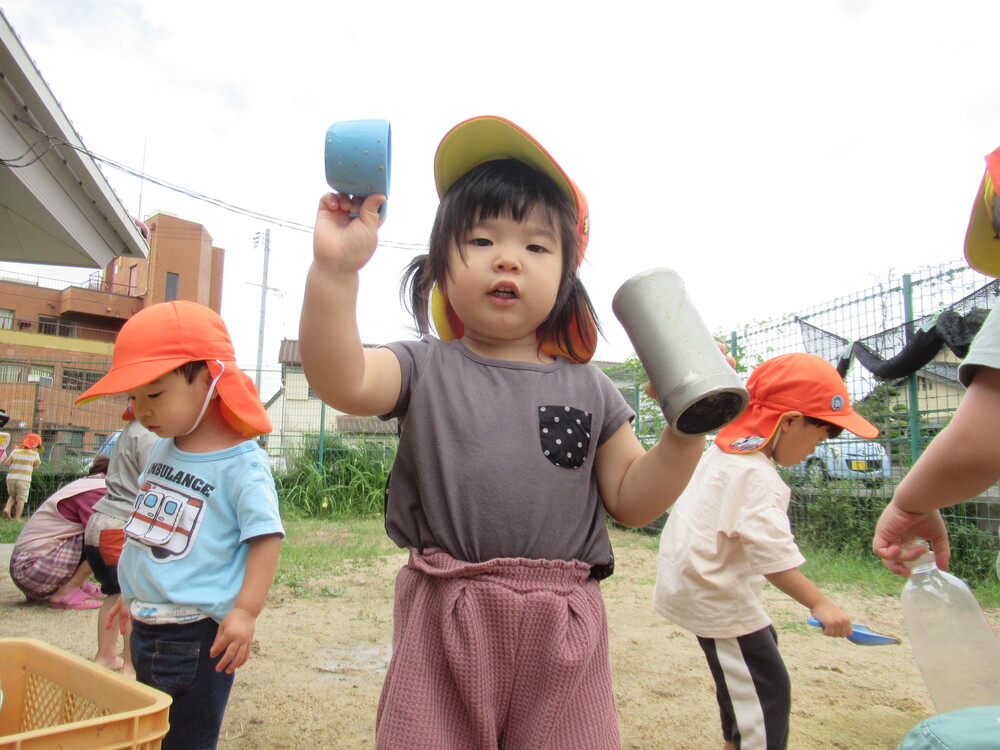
column 496, row 458
column 985, row 349
column 128, row 460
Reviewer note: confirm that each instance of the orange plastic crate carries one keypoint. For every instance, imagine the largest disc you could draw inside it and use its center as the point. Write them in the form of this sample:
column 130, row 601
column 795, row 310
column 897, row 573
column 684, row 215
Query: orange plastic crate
column 54, row 699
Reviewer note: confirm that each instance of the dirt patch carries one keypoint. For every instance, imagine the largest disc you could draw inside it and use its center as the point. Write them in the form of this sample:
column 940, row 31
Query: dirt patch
column 320, row 658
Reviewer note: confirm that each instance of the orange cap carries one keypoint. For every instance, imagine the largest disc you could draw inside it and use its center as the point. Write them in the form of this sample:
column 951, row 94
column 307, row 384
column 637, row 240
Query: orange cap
column 477, row 141
column 982, row 238
column 31, row 440
column 792, row 382
column 161, row 338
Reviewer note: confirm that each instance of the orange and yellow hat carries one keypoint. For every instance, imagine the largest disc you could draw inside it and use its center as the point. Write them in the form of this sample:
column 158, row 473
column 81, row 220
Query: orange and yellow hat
column 477, row 141
column 161, row 338
column 982, row 238
column 792, row 382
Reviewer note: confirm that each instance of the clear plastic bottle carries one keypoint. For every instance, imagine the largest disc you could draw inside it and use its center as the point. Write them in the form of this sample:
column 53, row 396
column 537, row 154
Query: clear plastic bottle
column 955, row 647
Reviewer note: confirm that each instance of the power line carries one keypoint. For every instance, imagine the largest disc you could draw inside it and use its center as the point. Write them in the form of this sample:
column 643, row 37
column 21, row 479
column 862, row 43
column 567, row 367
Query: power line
column 54, row 142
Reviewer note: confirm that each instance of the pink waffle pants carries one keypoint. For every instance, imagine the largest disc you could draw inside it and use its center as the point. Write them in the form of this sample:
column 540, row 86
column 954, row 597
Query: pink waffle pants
column 509, row 653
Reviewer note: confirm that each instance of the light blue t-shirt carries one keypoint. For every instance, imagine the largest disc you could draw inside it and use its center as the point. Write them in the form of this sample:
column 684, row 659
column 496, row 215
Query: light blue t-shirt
column 186, row 550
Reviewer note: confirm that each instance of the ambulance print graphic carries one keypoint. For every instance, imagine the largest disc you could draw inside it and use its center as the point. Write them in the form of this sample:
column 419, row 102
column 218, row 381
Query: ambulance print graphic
column 165, row 521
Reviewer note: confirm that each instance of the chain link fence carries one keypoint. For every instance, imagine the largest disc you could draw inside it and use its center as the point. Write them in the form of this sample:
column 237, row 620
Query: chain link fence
column 897, row 344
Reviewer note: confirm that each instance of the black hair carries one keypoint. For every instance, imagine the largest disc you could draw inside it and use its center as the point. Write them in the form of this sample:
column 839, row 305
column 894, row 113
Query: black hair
column 99, row 465
column 191, row 369
column 510, row 189
column 832, row 429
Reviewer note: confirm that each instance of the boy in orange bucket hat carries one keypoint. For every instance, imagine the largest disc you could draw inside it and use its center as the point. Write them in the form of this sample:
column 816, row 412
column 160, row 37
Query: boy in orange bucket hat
column 729, row 533
column 203, row 539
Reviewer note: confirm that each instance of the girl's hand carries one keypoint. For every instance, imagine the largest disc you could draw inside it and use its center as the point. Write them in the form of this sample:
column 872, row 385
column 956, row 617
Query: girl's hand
column 343, row 244
column 896, row 527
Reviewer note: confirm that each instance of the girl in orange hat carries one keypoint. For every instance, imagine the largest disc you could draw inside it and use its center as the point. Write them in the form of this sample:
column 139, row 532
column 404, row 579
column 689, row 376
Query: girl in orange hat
column 21, row 463
column 511, row 450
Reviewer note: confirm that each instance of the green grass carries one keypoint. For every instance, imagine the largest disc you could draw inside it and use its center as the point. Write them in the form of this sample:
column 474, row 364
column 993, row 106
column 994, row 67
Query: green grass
column 862, row 572
column 10, row 529
column 349, row 484
column 867, row 573
column 315, row 548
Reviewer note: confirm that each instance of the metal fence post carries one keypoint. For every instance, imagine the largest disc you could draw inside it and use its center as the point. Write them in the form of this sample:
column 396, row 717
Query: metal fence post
column 322, row 434
column 913, row 411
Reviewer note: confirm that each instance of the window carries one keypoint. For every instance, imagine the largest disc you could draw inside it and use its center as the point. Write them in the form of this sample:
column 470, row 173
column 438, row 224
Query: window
column 133, row 278
column 73, row 438
column 79, row 380
column 53, row 326
column 11, row 373
column 173, row 281
column 42, row 374
column 6, row 319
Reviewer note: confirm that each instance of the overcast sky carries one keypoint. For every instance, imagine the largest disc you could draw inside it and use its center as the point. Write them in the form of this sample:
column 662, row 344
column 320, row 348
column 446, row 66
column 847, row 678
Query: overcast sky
column 776, row 154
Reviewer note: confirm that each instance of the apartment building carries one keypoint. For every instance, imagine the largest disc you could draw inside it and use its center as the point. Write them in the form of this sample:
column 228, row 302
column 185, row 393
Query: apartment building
column 56, row 340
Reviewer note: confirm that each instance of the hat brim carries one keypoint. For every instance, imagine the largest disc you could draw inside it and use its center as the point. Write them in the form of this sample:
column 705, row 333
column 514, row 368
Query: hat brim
column 853, row 423
column 982, row 247
column 482, row 139
column 126, row 377
column 241, row 405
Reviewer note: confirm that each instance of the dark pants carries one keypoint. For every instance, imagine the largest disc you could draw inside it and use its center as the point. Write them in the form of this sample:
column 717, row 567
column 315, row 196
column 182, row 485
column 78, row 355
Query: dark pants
column 174, row 659
column 752, row 688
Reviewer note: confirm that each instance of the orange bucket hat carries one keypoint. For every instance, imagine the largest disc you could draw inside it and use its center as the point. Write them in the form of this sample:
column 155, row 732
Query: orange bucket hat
column 477, row 141
column 161, row 338
column 792, row 382
column 982, row 238
column 31, row 440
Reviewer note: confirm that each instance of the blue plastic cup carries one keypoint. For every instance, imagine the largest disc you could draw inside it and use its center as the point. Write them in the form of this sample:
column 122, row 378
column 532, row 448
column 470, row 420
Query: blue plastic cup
column 358, row 158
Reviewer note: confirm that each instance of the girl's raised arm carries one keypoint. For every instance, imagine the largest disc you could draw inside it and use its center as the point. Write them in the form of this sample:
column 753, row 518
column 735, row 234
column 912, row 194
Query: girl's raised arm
column 340, row 370
column 637, row 486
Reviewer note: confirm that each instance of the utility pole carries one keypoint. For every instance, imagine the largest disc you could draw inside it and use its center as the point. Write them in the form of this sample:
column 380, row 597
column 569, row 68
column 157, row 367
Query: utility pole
column 263, row 304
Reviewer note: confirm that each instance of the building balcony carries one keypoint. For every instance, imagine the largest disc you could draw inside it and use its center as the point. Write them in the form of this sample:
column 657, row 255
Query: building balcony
column 96, row 302
column 52, row 326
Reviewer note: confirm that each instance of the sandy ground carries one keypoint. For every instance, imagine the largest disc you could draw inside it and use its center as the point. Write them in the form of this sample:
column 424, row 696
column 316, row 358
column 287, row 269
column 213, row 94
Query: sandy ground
column 321, row 655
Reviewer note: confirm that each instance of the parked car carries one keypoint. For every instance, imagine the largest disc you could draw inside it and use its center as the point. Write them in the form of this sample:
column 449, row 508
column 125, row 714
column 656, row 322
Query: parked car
column 78, row 461
column 109, row 443
column 845, row 457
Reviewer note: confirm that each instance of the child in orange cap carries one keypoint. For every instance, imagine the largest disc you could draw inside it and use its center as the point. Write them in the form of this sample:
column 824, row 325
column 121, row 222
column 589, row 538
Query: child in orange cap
column 511, row 450
column 203, row 539
column 728, row 534
column 21, row 463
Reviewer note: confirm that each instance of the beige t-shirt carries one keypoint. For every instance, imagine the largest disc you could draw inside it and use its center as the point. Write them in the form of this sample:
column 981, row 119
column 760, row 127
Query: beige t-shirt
column 22, row 462
column 726, row 532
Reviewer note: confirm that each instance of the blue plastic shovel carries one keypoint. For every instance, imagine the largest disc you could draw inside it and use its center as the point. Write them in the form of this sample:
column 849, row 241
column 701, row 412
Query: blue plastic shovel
column 862, row 636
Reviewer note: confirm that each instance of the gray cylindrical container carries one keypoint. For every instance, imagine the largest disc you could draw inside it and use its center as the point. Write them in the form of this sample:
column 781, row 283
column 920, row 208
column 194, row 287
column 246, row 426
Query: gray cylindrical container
column 699, row 391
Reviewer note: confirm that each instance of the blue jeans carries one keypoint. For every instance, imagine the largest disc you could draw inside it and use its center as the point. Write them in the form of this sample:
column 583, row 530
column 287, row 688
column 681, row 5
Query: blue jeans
column 174, row 659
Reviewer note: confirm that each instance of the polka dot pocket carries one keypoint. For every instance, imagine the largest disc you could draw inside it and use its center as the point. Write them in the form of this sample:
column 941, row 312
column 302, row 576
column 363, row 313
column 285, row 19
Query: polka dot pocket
column 565, row 435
